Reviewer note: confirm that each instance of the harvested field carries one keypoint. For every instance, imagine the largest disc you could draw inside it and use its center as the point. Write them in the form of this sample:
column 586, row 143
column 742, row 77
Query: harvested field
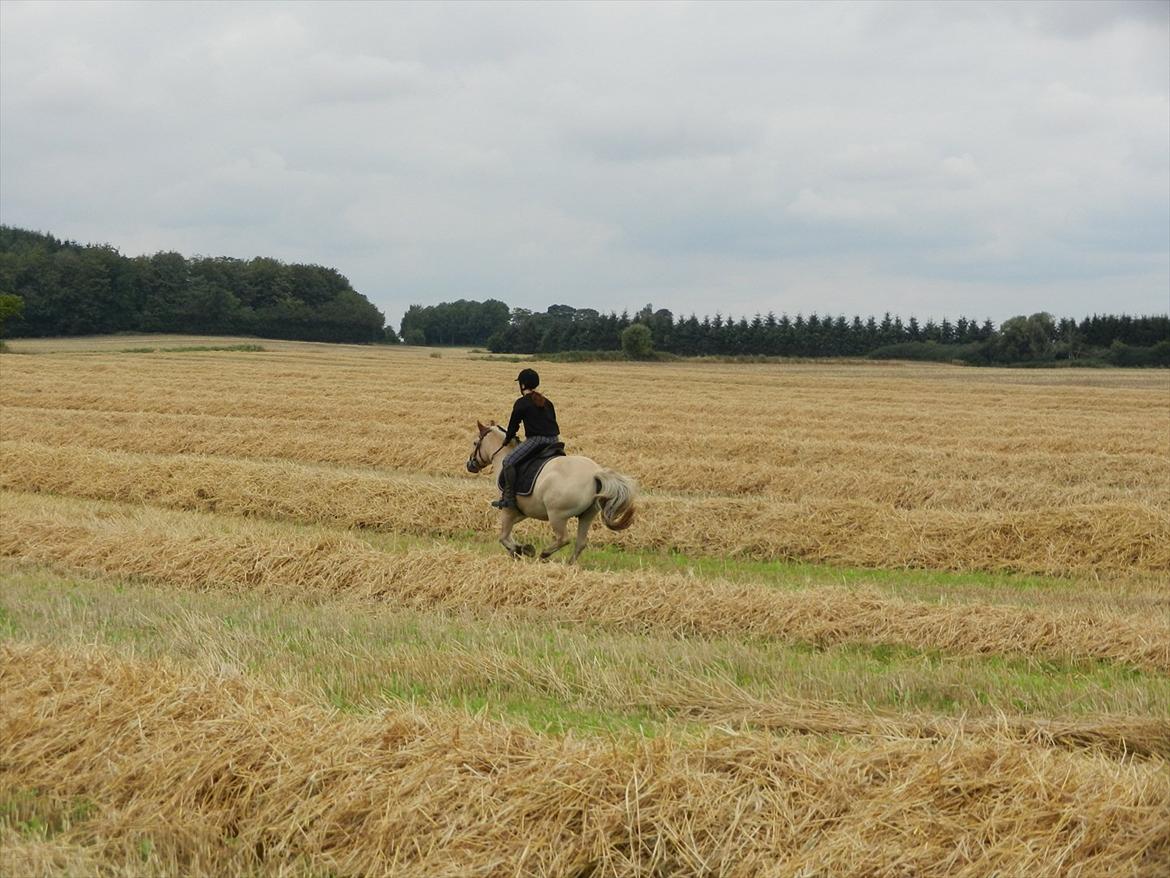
column 1045, row 542
column 253, row 620
column 195, row 552
column 186, row 761
column 564, row 676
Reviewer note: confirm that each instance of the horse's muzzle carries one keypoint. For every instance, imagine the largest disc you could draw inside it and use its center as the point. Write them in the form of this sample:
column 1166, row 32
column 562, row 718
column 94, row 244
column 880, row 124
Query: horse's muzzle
column 472, row 466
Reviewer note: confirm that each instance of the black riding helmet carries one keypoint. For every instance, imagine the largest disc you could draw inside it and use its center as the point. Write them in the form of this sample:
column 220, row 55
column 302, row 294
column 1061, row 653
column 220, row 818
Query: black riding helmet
column 528, row 379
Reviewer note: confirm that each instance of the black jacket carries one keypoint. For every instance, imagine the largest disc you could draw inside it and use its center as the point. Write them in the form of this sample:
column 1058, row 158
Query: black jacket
column 538, row 420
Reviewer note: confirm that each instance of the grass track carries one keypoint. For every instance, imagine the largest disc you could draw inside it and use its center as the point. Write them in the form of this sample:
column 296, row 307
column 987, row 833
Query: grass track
column 570, row 677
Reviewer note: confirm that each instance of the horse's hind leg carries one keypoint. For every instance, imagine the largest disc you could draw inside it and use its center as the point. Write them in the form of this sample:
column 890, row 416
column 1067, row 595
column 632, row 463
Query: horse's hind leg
column 558, row 526
column 584, row 520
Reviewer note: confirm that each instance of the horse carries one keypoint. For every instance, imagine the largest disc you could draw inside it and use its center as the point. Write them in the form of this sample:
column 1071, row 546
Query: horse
column 568, row 487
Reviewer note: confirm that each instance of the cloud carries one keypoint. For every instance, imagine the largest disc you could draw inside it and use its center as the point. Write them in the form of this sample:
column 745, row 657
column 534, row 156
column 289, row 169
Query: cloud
column 961, row 170
column 960, row 157
column 812, row 205
column 634, row 132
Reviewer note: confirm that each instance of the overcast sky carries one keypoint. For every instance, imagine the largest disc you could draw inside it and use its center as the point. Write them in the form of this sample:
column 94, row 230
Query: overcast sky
column 927, row 158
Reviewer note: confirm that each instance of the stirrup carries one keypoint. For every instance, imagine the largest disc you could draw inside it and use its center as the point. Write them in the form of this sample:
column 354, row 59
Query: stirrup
column 504, row 503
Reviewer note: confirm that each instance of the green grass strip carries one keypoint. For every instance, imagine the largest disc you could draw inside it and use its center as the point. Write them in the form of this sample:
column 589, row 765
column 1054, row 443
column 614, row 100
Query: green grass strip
column 552, row 677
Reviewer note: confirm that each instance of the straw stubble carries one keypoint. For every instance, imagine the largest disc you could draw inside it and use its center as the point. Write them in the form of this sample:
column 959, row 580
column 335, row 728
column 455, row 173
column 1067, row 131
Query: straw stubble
column 188, row 761
column 194, row 551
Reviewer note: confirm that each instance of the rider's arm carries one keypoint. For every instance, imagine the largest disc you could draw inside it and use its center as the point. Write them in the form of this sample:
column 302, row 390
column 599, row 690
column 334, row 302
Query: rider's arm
column 514, row 421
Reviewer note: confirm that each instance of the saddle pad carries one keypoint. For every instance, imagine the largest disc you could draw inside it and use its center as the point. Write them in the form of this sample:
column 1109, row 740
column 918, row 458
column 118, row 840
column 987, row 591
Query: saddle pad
column 527, row 471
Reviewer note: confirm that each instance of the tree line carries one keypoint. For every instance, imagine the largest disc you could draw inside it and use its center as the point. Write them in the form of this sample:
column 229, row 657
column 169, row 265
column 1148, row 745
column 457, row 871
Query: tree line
column 455, row 323
column 54, row 287
column 65, row 288
column 1118, row 339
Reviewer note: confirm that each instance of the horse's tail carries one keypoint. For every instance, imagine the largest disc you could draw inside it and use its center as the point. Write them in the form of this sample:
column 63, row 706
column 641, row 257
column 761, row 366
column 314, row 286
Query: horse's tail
column 616, row 493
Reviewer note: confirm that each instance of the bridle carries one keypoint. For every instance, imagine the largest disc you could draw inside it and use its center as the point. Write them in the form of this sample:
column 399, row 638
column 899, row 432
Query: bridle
column 473, row 464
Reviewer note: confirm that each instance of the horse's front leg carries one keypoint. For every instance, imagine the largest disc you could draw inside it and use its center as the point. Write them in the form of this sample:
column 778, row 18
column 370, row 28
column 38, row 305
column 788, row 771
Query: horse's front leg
column 508, row 519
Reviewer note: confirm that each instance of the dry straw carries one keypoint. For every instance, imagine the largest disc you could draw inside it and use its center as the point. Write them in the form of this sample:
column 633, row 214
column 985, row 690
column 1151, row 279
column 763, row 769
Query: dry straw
column 143, row 769
column 195, row 551
column 212, row 775
column 1066, row 539
column 586, row 677
column 725, row 704
column 190, row 762
column 947, row 438
column 785, row 459
column 889, row 466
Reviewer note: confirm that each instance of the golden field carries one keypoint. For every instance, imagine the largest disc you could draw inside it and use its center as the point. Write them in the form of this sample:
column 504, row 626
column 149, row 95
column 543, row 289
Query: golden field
column 870, row 620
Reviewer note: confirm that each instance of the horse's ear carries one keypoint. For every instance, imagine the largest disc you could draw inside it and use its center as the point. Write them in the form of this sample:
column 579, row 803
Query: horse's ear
column 482, row 428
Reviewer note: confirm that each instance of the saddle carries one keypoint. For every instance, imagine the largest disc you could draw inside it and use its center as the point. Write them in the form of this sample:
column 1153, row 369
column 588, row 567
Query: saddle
column 528, row 469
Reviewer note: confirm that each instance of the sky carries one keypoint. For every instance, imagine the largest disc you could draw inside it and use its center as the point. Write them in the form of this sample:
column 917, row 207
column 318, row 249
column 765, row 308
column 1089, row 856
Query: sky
column 935, row 159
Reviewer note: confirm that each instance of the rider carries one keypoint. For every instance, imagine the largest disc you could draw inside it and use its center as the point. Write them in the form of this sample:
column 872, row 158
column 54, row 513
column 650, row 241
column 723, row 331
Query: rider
column 540, row 429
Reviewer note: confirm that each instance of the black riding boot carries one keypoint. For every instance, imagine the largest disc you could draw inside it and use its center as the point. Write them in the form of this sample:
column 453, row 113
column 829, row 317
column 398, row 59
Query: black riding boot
column 508, row 488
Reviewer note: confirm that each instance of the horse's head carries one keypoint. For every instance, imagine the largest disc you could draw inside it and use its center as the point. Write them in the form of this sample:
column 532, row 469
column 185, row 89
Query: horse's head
column 488, row 443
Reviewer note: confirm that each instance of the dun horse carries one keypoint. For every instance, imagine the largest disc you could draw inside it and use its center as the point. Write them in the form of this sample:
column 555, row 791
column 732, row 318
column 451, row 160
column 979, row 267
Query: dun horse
column 568, row 487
